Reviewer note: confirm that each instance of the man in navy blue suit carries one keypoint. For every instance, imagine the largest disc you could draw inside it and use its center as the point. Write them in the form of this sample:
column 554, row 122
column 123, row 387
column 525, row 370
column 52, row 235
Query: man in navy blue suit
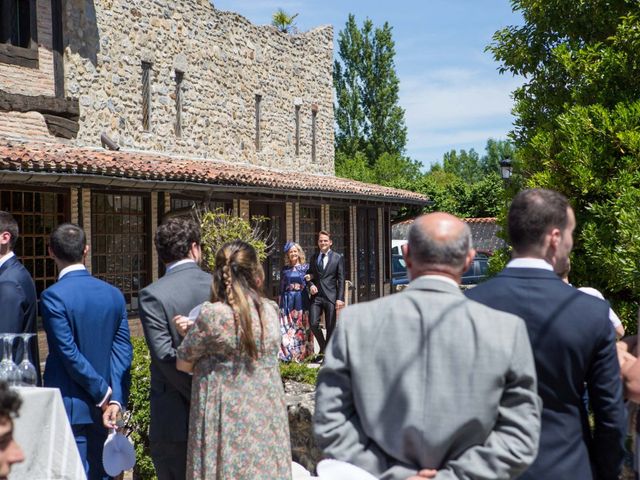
column 90, row 350
column 17, row 291
column 572, row 339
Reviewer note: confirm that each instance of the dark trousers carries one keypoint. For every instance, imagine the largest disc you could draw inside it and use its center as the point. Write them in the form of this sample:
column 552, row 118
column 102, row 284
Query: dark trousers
column 169, row 460
column 318, row 306
column 90, row 438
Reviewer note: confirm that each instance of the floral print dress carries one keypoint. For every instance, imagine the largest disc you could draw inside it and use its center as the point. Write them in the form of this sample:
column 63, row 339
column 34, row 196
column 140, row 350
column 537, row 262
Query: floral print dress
column 238, row 425
column 297, row 339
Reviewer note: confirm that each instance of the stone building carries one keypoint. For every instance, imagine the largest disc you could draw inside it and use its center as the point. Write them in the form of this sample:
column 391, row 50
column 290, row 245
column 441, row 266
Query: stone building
column 204, row 107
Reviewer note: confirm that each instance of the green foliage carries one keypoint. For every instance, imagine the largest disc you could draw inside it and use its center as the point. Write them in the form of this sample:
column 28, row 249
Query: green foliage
column 465, row 165
column 219, row 227
column 578, row 129
column 450, row 193
column 298, row 372
column 368, row 117
column 283, row 21
column 138, row 416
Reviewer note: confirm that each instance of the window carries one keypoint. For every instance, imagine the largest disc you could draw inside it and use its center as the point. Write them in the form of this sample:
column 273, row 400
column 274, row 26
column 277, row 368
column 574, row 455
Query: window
column 186, row 204
column 309, row 228
column 339, row 229
column 18, row 33
column 120, row 243
column 314, row 115
column 258, row 102
column 179, row 78
column 297, row 130
column 146, row 96
column 37, row 214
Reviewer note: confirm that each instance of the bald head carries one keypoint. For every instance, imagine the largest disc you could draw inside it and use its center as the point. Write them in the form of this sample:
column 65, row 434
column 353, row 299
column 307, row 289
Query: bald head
column 439, row 243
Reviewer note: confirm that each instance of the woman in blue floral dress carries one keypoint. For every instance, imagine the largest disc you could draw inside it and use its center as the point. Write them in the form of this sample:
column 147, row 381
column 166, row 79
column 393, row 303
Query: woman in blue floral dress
column 238, row 425
column 297, row 339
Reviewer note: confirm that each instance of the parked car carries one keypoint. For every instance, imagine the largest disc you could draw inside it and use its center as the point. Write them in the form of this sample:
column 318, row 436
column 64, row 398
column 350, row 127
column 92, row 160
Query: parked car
column 478, row 270
column 399, row 275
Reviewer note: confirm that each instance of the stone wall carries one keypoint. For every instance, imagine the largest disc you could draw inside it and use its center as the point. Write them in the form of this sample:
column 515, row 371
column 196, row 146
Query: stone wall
column 226, row 61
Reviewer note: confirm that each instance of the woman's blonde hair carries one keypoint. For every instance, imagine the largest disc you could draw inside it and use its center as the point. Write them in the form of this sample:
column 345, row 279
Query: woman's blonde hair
column 301, row 256
column 237, row 281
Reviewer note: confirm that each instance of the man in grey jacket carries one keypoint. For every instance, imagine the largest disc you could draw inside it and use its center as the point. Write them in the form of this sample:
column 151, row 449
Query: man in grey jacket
column 426, row 383
column 183, row 287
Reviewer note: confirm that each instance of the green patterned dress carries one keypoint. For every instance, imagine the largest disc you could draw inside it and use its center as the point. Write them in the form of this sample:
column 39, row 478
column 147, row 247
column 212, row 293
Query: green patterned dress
column 238, row 427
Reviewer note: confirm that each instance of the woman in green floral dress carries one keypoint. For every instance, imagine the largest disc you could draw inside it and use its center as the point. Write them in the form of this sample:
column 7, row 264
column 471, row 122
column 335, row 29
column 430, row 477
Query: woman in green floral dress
column 238, row 427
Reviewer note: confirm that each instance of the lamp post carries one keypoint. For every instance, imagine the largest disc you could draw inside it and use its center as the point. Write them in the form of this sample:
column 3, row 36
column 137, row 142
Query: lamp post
column 506, row 170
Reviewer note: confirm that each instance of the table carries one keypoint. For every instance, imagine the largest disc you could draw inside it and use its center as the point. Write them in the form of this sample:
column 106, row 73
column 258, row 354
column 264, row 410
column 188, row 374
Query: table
column 44, row 433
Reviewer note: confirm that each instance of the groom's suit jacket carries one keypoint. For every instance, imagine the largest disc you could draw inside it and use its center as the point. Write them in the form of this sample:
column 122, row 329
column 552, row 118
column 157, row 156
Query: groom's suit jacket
column 18, row 300
column 89, row 344
column 573, row 343
column 176, row 293
column 426, row 378
column 329, row 280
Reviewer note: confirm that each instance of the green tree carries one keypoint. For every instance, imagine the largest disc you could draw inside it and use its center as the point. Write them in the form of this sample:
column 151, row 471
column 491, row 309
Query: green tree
column 577, row 124
column 368, row 117
column 495, row 152
column 283, row 21
column 465, row 165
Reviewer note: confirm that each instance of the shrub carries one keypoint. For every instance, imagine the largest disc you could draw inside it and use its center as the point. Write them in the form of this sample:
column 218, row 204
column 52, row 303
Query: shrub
column 138, row 416
column 219, row 228
column 298, row 372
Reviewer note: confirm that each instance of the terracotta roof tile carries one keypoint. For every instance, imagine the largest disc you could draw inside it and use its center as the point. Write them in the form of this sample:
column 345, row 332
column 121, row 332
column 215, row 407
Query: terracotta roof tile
column 66, row 159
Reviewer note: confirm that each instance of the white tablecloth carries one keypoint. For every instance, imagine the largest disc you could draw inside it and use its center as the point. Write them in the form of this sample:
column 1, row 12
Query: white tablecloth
column 44, row 433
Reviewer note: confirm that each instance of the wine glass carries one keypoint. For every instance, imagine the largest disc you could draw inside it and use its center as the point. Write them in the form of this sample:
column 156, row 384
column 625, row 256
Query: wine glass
column 8, row 369
column 27, row 370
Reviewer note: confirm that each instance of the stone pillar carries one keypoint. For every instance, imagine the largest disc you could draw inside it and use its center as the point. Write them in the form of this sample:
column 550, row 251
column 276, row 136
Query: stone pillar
column 155, row 214
column 74, row 204
column 244, row 209
column 288, row 213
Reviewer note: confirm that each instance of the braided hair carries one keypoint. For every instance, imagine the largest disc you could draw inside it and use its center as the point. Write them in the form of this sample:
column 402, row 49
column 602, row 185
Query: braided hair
column 237, row 281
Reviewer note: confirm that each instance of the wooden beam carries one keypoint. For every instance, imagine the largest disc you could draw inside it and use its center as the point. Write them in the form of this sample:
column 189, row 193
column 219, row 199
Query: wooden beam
column 64, row 107
column 24, row 57
column 61, row 127
column 58, row 47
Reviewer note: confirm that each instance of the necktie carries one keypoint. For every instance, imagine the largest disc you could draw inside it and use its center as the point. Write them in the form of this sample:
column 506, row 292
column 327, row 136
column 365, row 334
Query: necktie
column 321, row 261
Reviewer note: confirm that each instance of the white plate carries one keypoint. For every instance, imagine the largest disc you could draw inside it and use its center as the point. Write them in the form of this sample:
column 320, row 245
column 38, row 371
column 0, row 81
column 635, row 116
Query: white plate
column 337, row 470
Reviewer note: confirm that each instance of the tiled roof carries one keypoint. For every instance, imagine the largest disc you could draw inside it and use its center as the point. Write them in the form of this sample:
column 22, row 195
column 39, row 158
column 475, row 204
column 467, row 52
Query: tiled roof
column 144, row 166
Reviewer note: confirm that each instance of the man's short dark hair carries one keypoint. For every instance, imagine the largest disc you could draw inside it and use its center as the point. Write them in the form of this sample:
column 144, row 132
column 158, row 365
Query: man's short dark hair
column 532, row 214
column 68, row 242
column 174, row 238
column 9, row 224
column 324, row 232
column 426, row 250
column 9, row 402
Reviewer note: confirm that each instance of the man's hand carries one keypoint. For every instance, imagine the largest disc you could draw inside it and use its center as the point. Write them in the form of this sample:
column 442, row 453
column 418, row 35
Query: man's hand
column 426, row 473
column 339, row 304
column 110, row 415
column 313, row 289
column 183, row 324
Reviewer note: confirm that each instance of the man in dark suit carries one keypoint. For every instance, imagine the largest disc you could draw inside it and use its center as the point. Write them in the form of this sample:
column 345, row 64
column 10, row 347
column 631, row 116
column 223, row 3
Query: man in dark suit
column 572, row 340
column 326, row 274
column 17, row 292
column 183, row 287
column 90, row 349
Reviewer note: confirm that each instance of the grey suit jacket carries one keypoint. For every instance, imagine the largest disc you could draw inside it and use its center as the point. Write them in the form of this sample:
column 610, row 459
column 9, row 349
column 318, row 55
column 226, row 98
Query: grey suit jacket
column 176, row 293
column 429, row 379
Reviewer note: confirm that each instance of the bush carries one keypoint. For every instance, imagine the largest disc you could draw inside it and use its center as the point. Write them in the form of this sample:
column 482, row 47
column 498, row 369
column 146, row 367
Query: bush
column 219, row 228
column 298, row 372
column 138, row 416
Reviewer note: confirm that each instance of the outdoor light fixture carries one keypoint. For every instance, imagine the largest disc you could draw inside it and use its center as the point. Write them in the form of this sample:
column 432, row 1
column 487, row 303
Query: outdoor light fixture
column 506, row 169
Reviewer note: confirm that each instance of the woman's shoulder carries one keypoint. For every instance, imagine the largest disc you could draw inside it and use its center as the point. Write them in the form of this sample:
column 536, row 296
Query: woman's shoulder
column 209, row 308
column 267, row 302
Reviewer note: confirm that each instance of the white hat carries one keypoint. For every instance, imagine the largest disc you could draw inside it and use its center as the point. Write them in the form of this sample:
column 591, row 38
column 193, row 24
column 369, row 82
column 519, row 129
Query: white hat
column 336, row 470
column 118, row 454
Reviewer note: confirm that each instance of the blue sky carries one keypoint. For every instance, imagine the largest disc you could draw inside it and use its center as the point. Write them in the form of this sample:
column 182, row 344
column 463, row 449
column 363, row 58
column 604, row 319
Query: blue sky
column 450, row 88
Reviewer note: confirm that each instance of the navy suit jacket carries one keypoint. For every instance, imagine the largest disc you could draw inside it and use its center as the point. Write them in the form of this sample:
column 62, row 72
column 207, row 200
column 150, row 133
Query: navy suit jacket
column 330, row 280
column 18, row 300
column 573, row 344
column 89, row 344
